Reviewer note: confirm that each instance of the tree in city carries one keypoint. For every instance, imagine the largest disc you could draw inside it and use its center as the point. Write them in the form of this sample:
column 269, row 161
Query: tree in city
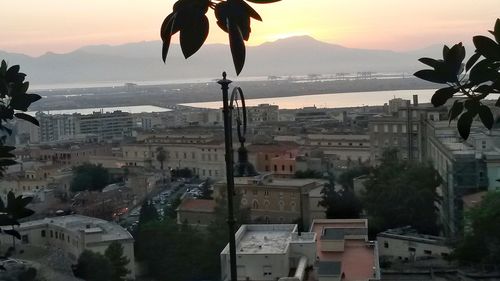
column 171, row 251
column 206, row 192
column 346, row 178
column 308, row 174
column 148, row 213
column 89, row 177
column 118, row 261
column 189, row 17
column 218, row 233
column 14, row 101
column 401, row 193
column 161, row 156
column 339, row 203
column 93, row 266
column 480, row 245
column 170, row 210
column 470, row 83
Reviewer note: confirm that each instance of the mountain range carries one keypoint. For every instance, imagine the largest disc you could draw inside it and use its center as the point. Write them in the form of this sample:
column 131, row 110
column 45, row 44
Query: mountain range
column 142, row 61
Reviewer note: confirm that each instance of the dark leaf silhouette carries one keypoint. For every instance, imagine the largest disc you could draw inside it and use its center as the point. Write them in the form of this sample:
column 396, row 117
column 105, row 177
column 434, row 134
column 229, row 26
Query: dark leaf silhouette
column 188, row 17
column 237, row 47
column 442, row 95
column 431, row 62
column 472, row 60
column 430, row 75
column 455, row 110
column 486, row 116
column 487, row 47
column 13, row 232
column 464, row 124
column 28, row 118
column 193, row 35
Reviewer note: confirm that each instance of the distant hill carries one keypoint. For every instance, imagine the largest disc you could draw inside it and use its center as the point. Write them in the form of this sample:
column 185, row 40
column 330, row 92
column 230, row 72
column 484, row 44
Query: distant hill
column 142, row 61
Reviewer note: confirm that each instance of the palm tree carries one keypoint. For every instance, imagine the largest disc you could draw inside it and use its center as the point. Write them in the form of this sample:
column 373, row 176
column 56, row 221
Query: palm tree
column 161, row 156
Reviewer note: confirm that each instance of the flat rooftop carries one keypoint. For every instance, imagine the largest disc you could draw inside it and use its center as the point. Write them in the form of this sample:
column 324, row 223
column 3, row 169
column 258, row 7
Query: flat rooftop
column 268, row 238
column 110, row 231
column 357, row 261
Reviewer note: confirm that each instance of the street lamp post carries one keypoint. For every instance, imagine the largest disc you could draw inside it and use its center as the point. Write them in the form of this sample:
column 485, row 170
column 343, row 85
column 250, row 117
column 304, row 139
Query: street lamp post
column 243, row 168
column 228, row 137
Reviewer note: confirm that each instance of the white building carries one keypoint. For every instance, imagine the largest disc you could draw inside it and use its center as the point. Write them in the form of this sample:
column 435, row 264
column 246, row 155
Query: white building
column 271, row 252
column 408, row 245
column 73, row 234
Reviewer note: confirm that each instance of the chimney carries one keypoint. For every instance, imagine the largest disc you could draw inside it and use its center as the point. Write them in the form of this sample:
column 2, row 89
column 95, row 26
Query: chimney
column 415, row 100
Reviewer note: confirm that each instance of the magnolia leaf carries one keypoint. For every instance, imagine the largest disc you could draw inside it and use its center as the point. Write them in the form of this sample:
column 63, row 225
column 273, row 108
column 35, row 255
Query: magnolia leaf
column 13, row 232
column 464, row 123
column 193, row 35
column 472, row 60
column 28, row 118
column 442, row 95
column 487, row 47
column 430, row 62
column 237, row 46
column 455, row 110
column 486, row 116
column 431, row 76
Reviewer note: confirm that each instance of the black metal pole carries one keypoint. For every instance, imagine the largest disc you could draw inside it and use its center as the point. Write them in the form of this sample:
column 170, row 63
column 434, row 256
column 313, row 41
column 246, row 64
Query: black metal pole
column 228, row 137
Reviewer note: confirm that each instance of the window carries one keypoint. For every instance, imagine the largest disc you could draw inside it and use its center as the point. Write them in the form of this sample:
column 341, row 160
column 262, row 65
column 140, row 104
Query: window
column 51, row 234
column 57, row 235
column 255, row 204
column 267, row 269
column 42, row 233
column 266, row 192
column 266, row 157
column 428, row 252
column 411, row 249
column 403, row 128
column 24, row 239
column 394, row 128
column 282, row 205
column 386, row 128
column 282, row 167
column 291, row 169
column 375, row 128
column 275, row 168
column 386, row 244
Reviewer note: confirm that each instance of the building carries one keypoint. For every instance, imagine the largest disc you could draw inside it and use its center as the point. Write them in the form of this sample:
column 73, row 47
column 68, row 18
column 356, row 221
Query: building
column 73, row 234
column 462, row 165
column 344, row 252
column 271, row 252
column 196, row 212
column 407, row 245
column 273, row 200
column 54, row 128
column 278, row 158
column 107, row 125
column 403, row 130
column 262, row 113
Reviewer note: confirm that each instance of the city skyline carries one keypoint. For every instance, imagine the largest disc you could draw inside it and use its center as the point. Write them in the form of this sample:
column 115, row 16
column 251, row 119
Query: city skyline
column 35, row 28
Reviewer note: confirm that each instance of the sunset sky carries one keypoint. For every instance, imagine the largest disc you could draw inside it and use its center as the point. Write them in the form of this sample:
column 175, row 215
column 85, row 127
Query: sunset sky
column 37, row 26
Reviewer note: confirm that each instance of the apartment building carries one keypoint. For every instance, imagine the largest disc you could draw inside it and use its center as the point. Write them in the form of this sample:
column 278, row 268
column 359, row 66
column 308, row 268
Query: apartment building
column 196, row 212
column 274, row 200
column 262, row 113
column 406, row 244
column 464, row 166
column 107, row 125
column 72, row 235
column 344, row 252
column 277, row 158
column 271, row 252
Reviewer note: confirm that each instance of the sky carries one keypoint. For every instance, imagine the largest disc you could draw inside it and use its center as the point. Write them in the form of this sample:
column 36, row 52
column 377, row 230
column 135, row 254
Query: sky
column 35, row 27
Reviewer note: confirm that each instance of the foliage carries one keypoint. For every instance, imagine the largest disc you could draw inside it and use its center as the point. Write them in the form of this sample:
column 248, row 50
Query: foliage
column 89, row 176
column 400, row 193
column 161, row 156
column 12, row 213
column 170, row 211
column 308, row 174
column 481, row 246
column 472, row 82
column 189, row 17
column 171, row 251
column 118, row 261
column 182, row 173
column 93, row 267
column 346, row 178
column 339, row 204
column 206, row 192
column 148, row 213
column 13, row 98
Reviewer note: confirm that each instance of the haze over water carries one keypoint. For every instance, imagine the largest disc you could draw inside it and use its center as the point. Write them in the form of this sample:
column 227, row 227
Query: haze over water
column 354, row 99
